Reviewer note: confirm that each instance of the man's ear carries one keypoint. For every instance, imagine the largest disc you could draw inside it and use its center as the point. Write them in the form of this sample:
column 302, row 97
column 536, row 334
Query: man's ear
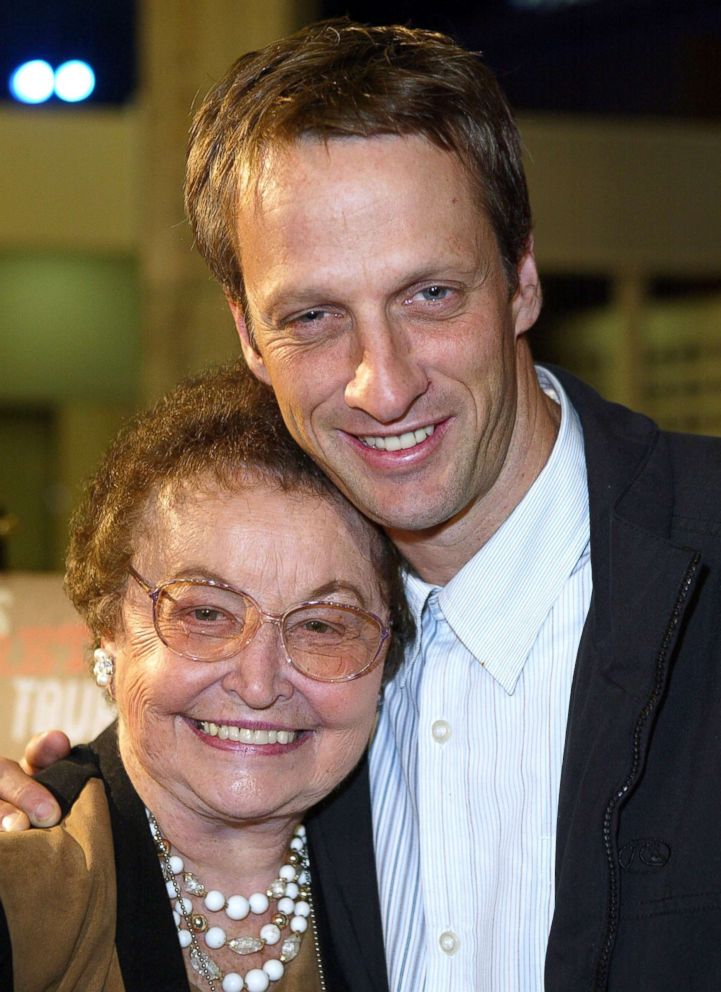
column 251, row 354
column 527, row 299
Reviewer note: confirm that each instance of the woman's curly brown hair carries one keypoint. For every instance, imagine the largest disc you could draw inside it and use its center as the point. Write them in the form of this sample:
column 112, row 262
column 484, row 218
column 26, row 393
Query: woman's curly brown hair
column 222, row 426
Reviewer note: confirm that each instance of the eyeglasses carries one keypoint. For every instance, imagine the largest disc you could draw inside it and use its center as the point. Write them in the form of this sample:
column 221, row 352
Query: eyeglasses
column 206, row 620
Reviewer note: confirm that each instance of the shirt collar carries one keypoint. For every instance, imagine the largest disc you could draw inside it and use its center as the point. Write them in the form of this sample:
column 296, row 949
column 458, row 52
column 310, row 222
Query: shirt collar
column 498, row 601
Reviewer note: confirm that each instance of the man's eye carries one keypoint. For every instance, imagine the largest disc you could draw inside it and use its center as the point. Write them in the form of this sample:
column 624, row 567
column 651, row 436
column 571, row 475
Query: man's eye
column 315, row 316
column 431, row 294
column 310, row 316
column 316, row 323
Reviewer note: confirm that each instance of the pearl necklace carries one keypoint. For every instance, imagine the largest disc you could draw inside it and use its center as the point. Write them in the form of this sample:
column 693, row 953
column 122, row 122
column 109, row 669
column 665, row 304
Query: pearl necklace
column 291, row 891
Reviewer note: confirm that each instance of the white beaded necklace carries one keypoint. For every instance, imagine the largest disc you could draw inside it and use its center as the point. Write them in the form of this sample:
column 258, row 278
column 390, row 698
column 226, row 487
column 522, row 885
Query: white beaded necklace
column 291, row 891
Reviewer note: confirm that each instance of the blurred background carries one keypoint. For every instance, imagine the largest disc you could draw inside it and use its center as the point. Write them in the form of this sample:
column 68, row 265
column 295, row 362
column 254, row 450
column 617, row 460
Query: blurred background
column 103, row 304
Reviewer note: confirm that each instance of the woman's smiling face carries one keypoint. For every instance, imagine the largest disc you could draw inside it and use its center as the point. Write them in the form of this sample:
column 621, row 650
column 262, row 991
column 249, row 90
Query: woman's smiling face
column 283, row 549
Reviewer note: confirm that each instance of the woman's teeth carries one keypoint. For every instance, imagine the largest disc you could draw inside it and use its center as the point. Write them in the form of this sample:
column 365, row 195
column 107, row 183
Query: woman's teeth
column 397, row 442
column 230, row 732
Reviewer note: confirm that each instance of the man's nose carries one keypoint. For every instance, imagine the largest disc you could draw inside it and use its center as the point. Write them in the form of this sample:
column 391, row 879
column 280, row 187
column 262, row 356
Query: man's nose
column 388, row 377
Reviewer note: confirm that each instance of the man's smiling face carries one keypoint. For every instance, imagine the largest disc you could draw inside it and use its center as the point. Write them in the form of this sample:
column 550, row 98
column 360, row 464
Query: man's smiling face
column 382, row 317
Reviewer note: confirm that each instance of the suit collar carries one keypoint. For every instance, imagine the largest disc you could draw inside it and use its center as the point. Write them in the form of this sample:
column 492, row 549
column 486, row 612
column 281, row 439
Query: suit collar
column 631, row 510
column 340, row 841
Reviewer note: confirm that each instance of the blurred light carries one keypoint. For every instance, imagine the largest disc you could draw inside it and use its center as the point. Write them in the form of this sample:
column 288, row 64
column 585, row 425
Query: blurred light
column 33, row 82
column 548, row 4
column 74, row 81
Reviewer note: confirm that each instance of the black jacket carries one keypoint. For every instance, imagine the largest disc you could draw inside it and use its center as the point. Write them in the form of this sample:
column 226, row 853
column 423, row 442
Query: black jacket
column 638, row 868
column 638, row 864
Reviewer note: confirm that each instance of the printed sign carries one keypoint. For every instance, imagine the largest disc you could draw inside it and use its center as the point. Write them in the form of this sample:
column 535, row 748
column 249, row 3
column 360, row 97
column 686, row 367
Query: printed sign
column 45, row 679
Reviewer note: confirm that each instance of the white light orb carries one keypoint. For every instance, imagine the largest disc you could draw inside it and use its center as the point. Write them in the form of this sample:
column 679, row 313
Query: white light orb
column 33, row 82
column 74, row 81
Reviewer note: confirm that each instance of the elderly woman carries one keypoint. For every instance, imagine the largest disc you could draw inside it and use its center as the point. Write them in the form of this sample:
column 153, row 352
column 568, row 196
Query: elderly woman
column 243, row 613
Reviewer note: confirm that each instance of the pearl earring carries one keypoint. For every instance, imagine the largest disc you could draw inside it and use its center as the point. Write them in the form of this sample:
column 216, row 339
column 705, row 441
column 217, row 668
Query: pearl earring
column 104, row 668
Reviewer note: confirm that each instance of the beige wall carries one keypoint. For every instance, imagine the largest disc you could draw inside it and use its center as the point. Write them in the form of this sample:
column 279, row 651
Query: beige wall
column 619, row 196
column 69, row 179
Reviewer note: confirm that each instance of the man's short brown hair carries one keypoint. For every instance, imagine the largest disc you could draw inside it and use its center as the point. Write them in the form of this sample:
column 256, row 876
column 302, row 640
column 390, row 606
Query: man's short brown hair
column 337, row 79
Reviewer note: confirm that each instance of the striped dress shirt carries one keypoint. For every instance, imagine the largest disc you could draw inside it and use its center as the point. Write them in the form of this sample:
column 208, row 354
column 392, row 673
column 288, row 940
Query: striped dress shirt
column 466, row 761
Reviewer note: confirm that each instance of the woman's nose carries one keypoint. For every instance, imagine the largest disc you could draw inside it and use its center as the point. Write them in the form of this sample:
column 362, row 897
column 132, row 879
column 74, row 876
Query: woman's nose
column 260, row 673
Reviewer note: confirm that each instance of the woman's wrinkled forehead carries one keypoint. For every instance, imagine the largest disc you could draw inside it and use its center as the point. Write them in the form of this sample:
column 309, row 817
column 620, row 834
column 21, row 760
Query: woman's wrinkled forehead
column 190, row 517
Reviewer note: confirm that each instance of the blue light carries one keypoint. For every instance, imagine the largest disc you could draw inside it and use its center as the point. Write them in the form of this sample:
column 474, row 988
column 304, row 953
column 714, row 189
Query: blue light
column 33, row 82
column 74, row 81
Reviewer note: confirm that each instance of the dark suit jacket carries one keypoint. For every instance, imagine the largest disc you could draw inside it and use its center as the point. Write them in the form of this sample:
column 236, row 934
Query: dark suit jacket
column 340, row 843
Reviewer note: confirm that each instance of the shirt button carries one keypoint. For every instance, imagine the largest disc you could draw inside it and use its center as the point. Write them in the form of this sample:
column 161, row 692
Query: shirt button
column 449, row 942
column 441, row 731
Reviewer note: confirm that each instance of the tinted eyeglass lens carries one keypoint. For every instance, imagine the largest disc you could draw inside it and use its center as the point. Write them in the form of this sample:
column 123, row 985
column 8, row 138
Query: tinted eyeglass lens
column 331, row 643
column 203, row 621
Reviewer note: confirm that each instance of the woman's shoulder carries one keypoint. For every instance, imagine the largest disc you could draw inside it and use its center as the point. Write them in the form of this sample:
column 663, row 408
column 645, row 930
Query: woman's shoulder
column 77, row 783
column 54, row 866
column 67, row 779
column 58, row 886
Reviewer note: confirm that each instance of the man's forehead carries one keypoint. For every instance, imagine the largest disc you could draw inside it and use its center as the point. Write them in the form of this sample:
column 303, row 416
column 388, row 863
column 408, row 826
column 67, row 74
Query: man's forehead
column 266, row 171
column 387, row 209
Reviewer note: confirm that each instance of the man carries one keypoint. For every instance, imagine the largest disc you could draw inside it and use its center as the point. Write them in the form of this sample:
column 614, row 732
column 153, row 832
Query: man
column 539, row 778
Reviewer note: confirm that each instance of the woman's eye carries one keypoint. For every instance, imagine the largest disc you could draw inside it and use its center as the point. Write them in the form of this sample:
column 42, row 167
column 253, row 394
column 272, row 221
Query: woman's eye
column 206, row 614
column 317, row 627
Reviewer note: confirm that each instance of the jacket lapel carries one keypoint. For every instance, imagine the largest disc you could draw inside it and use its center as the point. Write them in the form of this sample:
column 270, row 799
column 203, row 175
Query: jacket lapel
column 343, row 872
column 142, row 902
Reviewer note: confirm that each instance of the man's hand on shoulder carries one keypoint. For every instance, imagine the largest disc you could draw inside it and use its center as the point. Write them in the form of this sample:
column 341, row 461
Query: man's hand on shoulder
column 23, row 802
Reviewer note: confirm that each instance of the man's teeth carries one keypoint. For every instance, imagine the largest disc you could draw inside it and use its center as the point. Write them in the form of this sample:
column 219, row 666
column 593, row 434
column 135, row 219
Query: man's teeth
column 397, row 442
column 229, row 732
